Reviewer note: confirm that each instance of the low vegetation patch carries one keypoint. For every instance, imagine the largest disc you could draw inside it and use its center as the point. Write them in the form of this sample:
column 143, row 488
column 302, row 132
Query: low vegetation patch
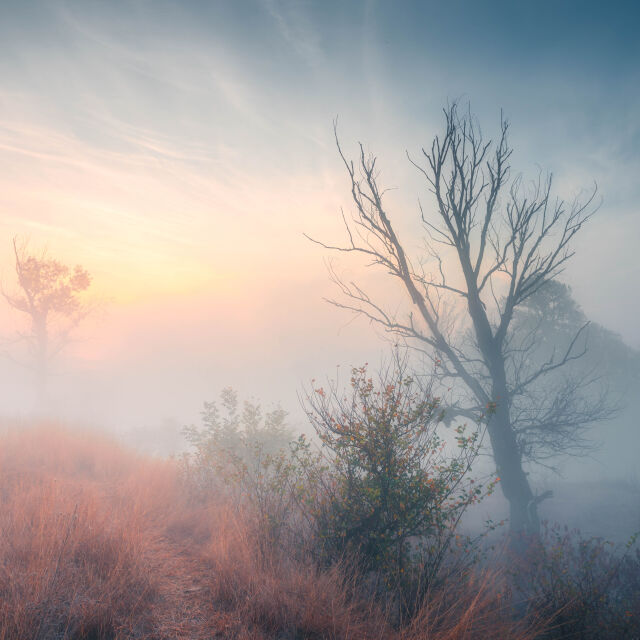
column 98, row 542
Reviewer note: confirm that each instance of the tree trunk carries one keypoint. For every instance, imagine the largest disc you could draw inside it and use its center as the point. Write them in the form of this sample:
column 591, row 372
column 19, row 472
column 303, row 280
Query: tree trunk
column 523, row 518
column 41, row 364
column 513, row 479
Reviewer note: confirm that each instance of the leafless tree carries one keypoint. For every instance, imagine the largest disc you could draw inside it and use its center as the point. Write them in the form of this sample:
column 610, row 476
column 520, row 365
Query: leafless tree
column 48, row 292
column 491, row 245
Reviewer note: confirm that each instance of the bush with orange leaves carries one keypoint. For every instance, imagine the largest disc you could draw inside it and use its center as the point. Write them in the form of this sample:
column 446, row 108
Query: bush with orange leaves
column 385, row 491
column 395, row 489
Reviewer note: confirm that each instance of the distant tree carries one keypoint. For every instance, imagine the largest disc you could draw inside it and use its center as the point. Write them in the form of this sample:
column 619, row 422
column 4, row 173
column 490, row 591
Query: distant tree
column 550, row 415
column 492, row 244
column 555, row 316
column 48, row 293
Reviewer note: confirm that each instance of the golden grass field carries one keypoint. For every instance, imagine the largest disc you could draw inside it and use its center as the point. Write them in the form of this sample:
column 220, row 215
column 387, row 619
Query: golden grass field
column 99, row 542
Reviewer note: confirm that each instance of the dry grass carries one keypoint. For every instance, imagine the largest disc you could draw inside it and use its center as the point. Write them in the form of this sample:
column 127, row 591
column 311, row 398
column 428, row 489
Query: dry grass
column 97, row 542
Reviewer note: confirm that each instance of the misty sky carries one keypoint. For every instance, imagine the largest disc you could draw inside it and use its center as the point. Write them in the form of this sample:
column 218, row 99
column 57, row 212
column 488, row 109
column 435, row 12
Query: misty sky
column 179, row 150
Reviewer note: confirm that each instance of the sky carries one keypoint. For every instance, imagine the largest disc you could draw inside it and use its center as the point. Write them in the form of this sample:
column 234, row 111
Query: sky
column 181, row 150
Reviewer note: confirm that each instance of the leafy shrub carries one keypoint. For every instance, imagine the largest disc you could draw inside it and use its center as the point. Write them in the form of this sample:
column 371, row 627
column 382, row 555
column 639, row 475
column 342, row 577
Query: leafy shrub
column 233, row 440
column 245, row 451
column 394, row 490
column 384, row 493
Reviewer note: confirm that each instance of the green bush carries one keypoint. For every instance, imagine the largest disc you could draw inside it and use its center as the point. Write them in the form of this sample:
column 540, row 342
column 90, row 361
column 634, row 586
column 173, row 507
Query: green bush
column 384, row 492
column 394, row 489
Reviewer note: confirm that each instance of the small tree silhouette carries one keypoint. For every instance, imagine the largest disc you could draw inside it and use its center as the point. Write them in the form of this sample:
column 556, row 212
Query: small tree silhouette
column 48, row 293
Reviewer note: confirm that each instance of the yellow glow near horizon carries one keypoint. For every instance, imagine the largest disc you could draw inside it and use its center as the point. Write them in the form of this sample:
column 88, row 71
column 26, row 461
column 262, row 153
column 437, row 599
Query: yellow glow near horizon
column 153, row 227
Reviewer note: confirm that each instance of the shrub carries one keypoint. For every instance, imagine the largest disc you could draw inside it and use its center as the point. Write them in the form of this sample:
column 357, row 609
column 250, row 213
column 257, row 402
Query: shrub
column 393, row 490
column 245, row 452
column 233, row 440
column 590, row 587
column 385, row 492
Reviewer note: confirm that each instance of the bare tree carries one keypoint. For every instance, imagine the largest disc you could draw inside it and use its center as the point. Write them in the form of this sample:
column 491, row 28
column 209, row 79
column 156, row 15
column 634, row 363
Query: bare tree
column 491, row 245
column 48, row 292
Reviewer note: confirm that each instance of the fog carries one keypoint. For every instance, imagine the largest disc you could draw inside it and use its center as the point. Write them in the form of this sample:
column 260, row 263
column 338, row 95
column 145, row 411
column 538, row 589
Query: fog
column 180, row 151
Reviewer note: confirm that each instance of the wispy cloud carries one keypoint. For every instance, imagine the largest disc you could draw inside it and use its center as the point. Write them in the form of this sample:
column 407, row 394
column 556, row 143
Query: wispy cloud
column 295, row 26
column 200, row 134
